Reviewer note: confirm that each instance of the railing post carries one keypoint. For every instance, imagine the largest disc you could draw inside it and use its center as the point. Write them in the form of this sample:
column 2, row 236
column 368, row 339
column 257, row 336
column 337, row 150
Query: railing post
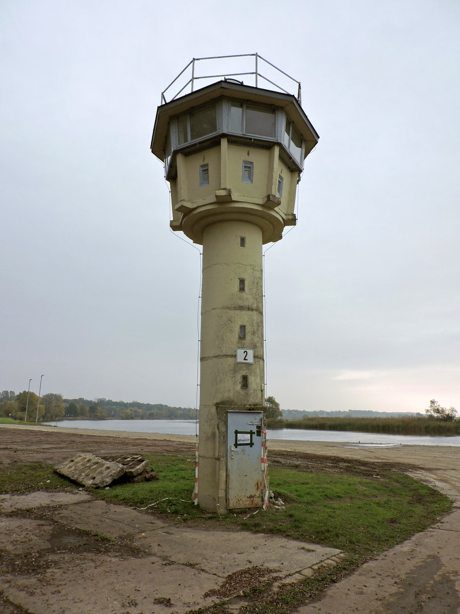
column 193, row 72
column 299, row 93
column 257, row 68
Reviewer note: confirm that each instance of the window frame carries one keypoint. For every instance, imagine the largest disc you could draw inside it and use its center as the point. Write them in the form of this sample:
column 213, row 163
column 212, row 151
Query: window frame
column 203, row 173
column 249, row 165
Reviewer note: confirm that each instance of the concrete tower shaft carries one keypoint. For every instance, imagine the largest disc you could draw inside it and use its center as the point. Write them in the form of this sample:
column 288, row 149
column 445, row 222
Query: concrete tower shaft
column 231, row 318
column 233, row 156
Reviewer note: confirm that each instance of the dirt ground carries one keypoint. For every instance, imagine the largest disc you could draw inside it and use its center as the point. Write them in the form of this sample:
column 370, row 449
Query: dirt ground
column 44, row 543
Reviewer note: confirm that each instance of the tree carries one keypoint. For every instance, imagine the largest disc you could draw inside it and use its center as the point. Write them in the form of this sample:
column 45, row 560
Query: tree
column 71, row 411
column 272, row 411
column 9, row 409
column 21, row 400
column 440, row 413
column 54, row 406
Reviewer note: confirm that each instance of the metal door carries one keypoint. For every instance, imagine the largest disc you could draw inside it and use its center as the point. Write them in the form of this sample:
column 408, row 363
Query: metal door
column 244, row 468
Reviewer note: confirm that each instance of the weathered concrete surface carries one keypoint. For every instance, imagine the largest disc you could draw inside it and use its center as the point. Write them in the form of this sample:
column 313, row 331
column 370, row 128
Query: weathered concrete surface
column 226, row 552
column 93, row 584
column 22, row 535
column 163, row 567
column 13, row 503
column 420, row 576
column 107, row 519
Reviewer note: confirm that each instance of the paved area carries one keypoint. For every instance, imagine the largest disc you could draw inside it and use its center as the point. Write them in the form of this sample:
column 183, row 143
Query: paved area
column 154, row 566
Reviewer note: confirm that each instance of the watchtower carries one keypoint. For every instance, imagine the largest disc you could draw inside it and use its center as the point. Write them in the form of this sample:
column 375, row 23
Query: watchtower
column 233, row 155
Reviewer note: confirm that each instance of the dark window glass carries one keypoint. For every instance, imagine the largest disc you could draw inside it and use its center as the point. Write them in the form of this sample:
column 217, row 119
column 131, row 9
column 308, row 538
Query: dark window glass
column 242, row 285
column 236, row 117
column 260, row 121
column 242, row 241
column 182, row 129
column 244, row 382
column 242, row 331
column 202, row 122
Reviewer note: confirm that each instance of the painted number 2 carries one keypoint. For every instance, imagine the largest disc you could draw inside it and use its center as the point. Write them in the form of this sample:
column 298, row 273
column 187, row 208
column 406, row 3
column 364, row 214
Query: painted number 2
column 244, row 355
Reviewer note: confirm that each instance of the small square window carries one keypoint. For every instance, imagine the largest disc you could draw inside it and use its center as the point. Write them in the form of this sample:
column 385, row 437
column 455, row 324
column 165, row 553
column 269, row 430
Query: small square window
column 242, row 284
column 248, row 171
column 244, row 382
column 242, row 332
column 204, row 174
column 242, row 241
column 280, row 185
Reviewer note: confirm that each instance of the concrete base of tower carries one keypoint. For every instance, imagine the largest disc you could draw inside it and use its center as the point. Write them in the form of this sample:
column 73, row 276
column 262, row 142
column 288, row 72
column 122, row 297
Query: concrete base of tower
column 212, row 460
column 231, row 445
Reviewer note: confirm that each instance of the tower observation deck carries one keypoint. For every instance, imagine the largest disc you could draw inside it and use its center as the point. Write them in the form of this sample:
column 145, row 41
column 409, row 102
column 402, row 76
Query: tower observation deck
column 233, row 154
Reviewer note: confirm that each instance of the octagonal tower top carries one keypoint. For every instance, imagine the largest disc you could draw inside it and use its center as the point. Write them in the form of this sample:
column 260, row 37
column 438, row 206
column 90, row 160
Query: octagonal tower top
column 232, row 148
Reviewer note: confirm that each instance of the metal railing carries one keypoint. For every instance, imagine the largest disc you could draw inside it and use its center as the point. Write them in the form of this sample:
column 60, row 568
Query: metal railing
column 191, row 71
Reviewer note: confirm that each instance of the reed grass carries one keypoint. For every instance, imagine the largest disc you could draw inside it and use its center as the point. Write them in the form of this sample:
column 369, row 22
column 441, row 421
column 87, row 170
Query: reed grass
column 390, row 426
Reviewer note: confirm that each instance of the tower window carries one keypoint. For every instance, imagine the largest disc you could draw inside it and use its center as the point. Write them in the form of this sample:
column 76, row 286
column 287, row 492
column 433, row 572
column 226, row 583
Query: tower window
column 202, row 122
column 241, row 284
column 204, row 174
column 248, row 171
column 242, row 332
column 236, row 117
column 260, row 121
column 244, row 382
column 242, row 241
column 280, row 185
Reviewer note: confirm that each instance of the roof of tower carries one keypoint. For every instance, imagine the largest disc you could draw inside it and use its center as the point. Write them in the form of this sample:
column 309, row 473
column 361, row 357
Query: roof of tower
column 237, row 91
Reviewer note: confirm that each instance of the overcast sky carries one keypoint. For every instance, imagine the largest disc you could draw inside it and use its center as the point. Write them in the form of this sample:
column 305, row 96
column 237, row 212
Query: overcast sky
column 363, row 297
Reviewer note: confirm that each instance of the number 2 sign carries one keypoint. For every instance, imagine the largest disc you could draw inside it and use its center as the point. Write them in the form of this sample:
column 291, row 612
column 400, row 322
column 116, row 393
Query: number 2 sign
column 243, row 355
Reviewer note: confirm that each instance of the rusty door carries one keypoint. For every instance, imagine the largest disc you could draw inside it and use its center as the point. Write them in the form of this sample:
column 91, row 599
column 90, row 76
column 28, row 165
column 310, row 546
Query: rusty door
column 244, row 468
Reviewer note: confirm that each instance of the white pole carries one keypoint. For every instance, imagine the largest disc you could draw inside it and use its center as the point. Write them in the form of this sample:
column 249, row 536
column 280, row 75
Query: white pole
column 27, row 401
column 39, row 394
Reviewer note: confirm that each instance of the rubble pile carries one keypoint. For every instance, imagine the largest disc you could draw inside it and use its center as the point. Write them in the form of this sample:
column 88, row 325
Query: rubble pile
column 94, row 471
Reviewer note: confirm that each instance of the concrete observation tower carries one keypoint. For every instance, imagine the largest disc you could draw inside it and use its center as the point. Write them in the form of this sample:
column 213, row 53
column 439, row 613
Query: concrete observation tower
column 233, row 154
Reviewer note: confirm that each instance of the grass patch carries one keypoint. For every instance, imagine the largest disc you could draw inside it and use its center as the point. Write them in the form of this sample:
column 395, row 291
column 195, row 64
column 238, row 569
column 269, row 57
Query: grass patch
column 16, row 479
column 4, row 420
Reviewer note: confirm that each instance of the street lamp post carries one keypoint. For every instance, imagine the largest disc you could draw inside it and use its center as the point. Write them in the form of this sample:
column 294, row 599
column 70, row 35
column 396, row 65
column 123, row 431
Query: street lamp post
column 39, row 394
column 27, row 400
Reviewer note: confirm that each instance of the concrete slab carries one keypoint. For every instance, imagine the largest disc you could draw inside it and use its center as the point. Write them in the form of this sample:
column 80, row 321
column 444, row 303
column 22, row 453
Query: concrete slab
column 89, row 583
column 107, row 519
column 91, row 470
column 12, row 503
column 21, row 535
column 225, row 552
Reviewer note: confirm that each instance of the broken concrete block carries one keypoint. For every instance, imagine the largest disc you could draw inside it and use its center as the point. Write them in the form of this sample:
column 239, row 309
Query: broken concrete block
column 90, row 470
column 134, row 464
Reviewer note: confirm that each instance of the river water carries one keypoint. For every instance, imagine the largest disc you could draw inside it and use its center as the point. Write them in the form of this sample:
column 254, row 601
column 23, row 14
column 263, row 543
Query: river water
column 188, row 427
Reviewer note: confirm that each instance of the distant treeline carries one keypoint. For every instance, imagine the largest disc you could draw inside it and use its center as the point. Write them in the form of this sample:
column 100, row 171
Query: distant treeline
column 121, row 410
column 418, row 425
column 52, row 406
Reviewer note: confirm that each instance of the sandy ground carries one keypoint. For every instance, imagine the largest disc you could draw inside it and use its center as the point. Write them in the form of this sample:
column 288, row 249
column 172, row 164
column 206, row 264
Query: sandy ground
column 128, row 562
